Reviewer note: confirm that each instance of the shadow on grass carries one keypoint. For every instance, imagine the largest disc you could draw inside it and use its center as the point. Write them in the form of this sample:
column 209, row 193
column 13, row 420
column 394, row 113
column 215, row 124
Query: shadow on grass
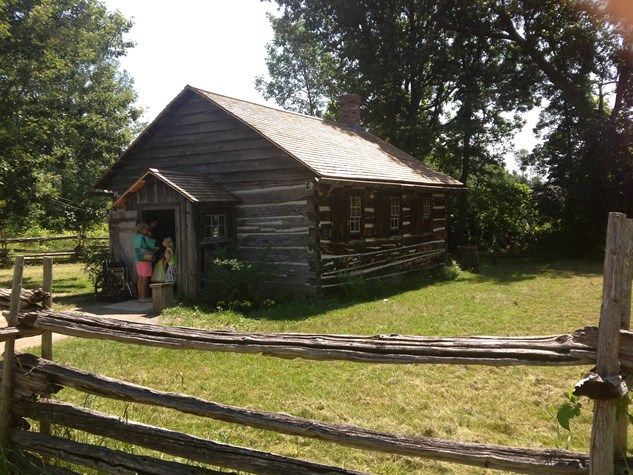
column 74, row 300
column 516, row 269
column 505, row 272
column 27, row 282
column 65, row 284
column 368, row 291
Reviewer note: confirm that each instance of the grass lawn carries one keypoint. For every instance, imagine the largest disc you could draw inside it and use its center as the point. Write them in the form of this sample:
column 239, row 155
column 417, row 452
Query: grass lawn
column 513, row 406
column 71, row 285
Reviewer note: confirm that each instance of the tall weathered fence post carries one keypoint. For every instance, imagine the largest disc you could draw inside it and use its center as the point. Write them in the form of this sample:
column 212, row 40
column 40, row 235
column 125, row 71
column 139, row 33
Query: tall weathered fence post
column 622, row 418
column 616, row 295
column 9, row 353
column 47, row 336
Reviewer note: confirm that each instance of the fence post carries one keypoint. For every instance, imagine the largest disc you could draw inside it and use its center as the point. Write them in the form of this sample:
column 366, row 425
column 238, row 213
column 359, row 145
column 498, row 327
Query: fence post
column 614, row 301
column 9, row 353
column 47, row 336
column 622, row 418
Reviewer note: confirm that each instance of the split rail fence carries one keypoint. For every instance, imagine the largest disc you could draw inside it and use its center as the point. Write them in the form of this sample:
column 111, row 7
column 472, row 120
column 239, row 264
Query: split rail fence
column 79, row 241
column 29, row 382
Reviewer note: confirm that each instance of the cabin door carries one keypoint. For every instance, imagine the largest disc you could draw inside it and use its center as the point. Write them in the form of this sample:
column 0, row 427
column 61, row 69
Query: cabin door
column 162, row 223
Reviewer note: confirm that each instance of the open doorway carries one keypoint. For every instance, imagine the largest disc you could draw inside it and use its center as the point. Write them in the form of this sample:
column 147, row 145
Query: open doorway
column 162, row 222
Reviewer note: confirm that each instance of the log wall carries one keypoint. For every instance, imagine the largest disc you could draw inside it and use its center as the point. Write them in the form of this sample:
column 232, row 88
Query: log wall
column 372, row 256
column 273, row 220
column 283, row 217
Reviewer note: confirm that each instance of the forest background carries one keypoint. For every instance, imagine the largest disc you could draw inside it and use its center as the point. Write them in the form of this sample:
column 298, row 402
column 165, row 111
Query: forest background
column 449, row 81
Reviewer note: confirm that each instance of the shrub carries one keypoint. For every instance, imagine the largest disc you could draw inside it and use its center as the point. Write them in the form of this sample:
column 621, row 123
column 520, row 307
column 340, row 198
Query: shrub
column 5, row 257
column 233, row 284
column 354, row 286
column 93, row 256
column 450, row 271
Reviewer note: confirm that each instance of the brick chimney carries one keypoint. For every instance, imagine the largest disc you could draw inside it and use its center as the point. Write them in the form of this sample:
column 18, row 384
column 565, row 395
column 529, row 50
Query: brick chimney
column 349, row 114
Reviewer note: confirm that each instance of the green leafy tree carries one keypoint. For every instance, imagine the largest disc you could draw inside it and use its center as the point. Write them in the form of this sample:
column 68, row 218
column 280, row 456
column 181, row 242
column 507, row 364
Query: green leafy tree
column 66, row 110
column 502, row 211
column 302, row 72
column 583, row 54
column 430, row 86
column 483, row 113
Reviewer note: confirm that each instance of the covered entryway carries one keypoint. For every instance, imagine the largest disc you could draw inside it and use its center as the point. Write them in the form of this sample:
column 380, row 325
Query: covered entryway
column 191, row 209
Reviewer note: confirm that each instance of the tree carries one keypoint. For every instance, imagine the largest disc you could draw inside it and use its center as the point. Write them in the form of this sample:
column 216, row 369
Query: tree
column 65, row 109
column 430, row 88
column 302, row 72
column 487, row 86
column 583, row 53
column 502, row 211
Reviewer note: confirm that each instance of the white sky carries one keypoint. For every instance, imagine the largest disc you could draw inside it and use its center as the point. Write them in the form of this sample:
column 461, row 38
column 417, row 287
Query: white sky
column 218, row 45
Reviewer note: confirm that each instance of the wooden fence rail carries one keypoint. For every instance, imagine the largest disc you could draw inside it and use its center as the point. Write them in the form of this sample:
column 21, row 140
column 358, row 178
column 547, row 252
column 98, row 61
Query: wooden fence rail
column 28, row 382
column 99, row 457
column 394, row 349
column 41, row 377
column 25, row 240
column 170, row 442
column 36, row 255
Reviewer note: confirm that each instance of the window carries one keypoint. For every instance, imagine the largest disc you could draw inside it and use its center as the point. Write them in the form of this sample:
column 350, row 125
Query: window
column 355, row 213
column 214, row 226
column 426, row 207
column 394, row 213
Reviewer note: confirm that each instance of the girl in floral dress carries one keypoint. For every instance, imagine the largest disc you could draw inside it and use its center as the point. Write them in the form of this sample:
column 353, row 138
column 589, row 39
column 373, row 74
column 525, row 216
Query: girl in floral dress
column 170, row 261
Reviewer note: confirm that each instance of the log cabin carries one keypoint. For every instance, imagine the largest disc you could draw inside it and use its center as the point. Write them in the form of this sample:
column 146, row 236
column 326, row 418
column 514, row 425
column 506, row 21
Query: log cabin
column 317, row 200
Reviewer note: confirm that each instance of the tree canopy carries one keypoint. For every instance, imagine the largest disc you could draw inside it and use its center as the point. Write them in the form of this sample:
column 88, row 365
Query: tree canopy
column 449, row 80
column 301, row 69
column 66, row 109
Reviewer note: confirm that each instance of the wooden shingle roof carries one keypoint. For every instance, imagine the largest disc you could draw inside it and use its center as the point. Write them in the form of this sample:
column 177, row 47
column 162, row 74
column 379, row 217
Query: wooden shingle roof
column 330, row 149
column 196, row 188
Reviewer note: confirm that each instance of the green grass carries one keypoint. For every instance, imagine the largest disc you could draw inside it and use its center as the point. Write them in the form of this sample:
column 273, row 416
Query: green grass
column 513, row 405
column 71, row 285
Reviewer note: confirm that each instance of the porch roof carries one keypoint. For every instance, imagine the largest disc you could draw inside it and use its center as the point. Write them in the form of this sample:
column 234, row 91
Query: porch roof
column 196, row 188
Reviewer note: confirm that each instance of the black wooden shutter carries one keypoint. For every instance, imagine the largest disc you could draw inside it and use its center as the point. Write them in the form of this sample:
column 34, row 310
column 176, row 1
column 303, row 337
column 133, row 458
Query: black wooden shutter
column 339, row 209
column 417, row 225
column 382, row 212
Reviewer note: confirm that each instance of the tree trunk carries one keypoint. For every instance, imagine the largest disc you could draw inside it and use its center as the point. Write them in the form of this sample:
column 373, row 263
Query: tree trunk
column 462, row 205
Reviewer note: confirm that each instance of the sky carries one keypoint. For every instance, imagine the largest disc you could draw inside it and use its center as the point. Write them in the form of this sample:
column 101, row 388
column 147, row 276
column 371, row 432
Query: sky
column 217, row 45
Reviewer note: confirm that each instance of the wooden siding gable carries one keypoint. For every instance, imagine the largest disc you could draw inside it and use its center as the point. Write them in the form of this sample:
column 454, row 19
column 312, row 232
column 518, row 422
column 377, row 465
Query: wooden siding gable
column 195, row 136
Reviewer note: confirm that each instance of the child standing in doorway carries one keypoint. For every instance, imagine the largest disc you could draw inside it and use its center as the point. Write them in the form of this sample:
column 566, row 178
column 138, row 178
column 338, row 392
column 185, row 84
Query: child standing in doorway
column 170, row 261
column 165, row 270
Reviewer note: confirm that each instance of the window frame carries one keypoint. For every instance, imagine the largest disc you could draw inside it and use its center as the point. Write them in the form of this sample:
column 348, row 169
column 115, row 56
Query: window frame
column 222, row 224
column 427, row 207
column 355, row 215
column 395, row 213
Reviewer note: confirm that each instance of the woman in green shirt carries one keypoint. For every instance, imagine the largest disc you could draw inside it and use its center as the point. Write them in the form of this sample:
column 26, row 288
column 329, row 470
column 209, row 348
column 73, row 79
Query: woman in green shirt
column 144, row 247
